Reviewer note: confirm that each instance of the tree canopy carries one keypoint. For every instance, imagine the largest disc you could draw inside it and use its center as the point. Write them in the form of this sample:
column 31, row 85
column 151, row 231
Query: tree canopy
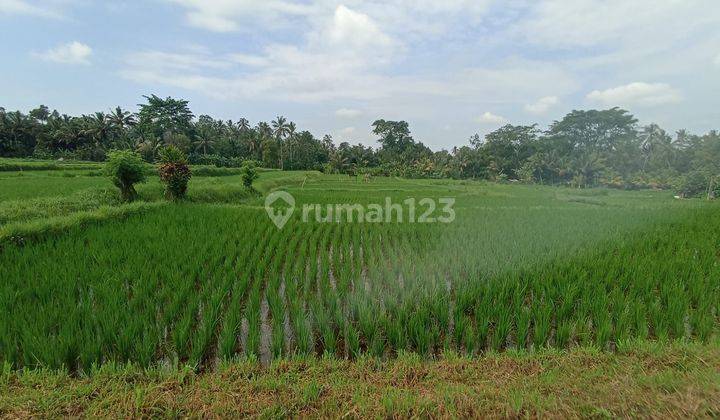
column 584, row 148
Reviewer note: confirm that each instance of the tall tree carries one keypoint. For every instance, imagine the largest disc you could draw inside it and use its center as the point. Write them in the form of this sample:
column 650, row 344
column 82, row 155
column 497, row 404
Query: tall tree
column 508, row 147
column 165, row 116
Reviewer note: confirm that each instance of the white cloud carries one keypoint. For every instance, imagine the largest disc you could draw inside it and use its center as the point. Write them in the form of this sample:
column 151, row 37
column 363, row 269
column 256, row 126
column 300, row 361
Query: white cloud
column 248, row 60
column 717, row 60
column 355, row 30
column 490, row 118
column 72, row 53
column 338, row 59
column 178, row 61
column 235, row 15
column 212, row 22
column 542, row 106
column 348, row 113
column 636, row 94
column 311, row 75
column 397, row 16
column 28, row 8
column 347, row 131
column 565, row 23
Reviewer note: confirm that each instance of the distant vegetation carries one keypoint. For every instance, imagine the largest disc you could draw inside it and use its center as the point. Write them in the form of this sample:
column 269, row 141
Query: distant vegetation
column 583, row 149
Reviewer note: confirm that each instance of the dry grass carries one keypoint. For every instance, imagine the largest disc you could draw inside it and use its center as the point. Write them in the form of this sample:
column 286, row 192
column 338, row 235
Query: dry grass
column 647, row 380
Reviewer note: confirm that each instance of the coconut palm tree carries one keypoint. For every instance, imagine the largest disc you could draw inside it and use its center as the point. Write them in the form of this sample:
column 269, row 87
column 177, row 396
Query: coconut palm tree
column 243, row 124
column 121, row 120
column 281, row 128
column 264, row 130
column 204, row 141
column 98, row 128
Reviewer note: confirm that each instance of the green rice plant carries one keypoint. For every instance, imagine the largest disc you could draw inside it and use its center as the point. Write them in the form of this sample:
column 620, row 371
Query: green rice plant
column 303, row 333
column 182, row 283
column 659, row 321
column 323, row 324
column 482, row 314
column 523, row 319
column 252, row 314
column 564, row 333
column 542, row 323
column 353, row 340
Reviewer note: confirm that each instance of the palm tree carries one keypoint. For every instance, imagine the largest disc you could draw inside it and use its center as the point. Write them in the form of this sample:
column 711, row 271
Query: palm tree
column 98, row 128
column 243, row 124
column 69, row 133
column 121, row 120
column 148, row 146
column 281, row 129
column 654, row 141
column 254, row 144
column 338, row 162
column 19, row 128
column 204, row 141
column 290, row 139
column 264, row 130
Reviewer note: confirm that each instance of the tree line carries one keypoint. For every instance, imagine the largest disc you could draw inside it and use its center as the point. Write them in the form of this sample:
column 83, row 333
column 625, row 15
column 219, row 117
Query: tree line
column 585, row 148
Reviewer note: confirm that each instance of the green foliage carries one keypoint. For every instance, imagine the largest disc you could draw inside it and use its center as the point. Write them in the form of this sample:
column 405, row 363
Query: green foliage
column 693, row 184
column 172, row 154
column 521, row 267
column 249, row 174
column 585, row 148
column 125, row 169
column 174, row 172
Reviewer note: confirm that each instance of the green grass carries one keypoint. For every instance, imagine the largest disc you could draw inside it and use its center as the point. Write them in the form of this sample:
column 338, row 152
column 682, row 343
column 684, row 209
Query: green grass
column 520, row 268
column 650, row 381
column 42, row 195
column 11, row 165
column 535, row 301
column 28, row 185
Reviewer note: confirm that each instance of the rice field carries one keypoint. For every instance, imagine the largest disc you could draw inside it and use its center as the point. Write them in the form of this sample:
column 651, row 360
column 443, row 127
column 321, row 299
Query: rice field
column 213, row 280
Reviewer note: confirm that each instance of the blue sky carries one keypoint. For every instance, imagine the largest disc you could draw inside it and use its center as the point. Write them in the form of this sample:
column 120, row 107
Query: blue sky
column 450, row 68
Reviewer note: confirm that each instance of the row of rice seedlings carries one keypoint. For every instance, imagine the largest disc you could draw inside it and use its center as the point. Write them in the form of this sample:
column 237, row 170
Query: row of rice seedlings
column 44, row 337
column 303, row 283
column 195, row 328
column 276, row 282
column 601, row 314
column 293, row 274
column 208, row 329
column 326, row 340
column 231, row 330
column 253, row 311
column 148, row 288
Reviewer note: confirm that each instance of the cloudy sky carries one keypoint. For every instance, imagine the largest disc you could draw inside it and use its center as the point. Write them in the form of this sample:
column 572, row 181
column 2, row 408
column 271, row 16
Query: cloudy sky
column 451, row 68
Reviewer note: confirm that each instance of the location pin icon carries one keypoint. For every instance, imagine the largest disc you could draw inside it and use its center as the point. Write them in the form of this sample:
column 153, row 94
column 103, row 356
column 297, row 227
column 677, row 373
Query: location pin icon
column 279, row 216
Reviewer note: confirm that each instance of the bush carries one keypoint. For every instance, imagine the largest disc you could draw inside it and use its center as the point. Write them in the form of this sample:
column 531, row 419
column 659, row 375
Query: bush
column 125, row 168
column 693, row 184
column 174, row 172
column 249, row 174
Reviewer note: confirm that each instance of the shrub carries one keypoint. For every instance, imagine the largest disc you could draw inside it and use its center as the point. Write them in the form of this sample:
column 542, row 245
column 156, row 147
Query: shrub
column 174, row 172
column 693, row 184
column 249, row 174
column 125, row 168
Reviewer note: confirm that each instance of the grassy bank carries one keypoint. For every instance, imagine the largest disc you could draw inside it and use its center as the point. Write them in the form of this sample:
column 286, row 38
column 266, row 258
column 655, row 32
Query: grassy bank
column 646, row 380
column 42, row 202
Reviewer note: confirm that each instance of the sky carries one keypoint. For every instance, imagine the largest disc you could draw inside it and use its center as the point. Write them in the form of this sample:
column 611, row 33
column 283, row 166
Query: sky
column 451, row 68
